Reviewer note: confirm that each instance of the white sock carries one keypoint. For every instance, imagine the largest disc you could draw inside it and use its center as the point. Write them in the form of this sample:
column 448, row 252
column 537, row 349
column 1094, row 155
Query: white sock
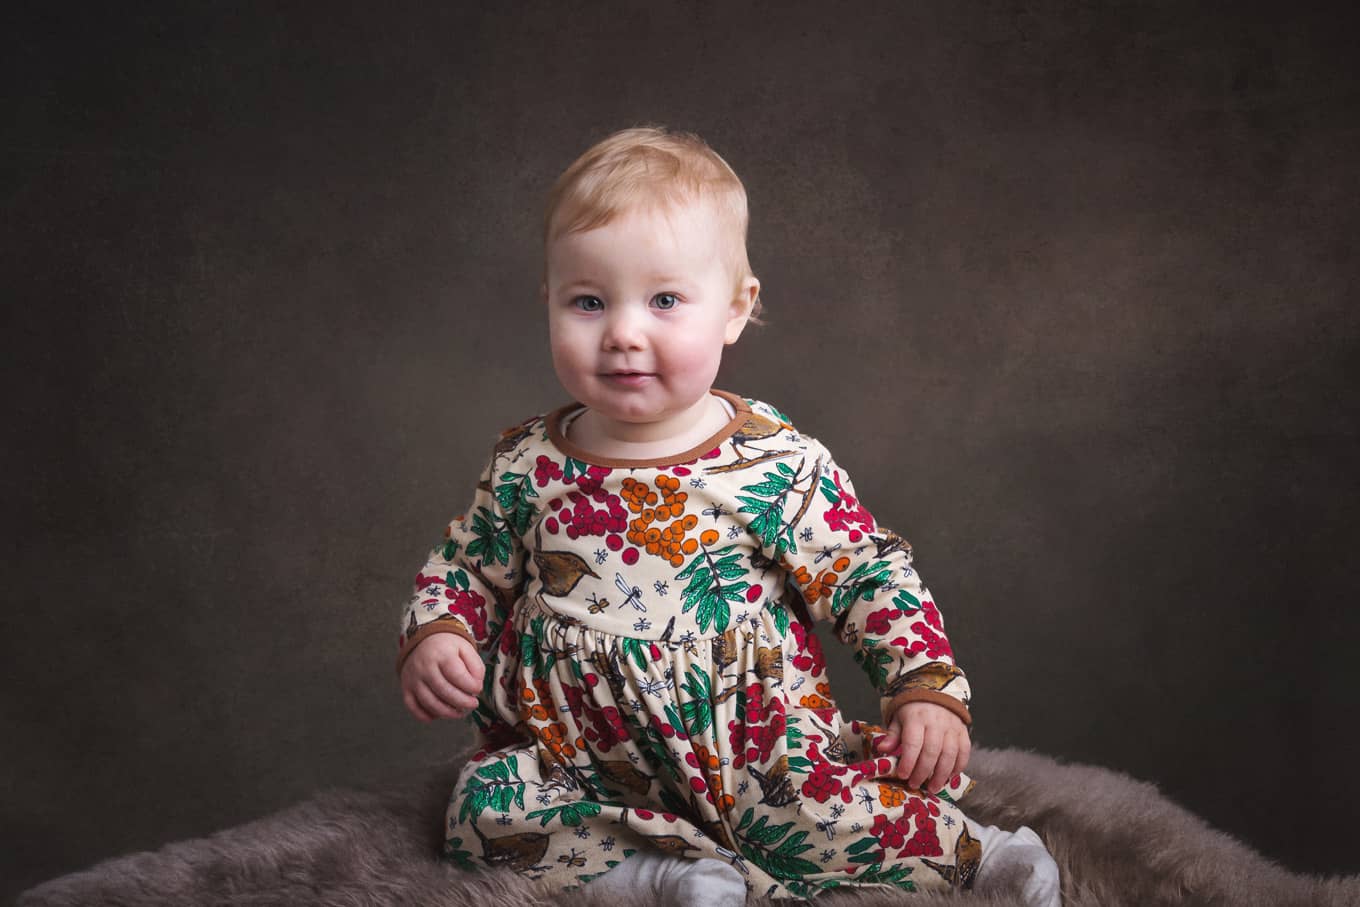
column 1011, row 858
column 674, row 880
column 707, row 882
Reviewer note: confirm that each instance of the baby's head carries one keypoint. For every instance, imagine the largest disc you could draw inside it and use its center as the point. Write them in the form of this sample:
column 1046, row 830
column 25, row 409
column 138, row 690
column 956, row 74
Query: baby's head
column 645, row 269
column 649, row 168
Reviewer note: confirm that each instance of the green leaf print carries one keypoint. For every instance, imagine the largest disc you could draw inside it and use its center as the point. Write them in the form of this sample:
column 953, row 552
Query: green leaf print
column 673, row 802
column 496, row 771
column 530, row 651
column 706, row 591
column 653, row 745
column 491, row 787
column 494, row 539
column 830, row 491
column 873, row 660
column 782, row 860
column 634, row 649
column 513, row 495
column 905, row 601
column 570, row 814
column 772, row 486
column 766, row 503
column 893, row 875
column 454, row 853
column 862, row 583
column 673, row 717
column 571, row 468
column 761, row 834
column 697, row 711
column 792, row 733
column 729, row 567
column 779, row 613
column 790, row 846
column 699, row 580
column 609, row 864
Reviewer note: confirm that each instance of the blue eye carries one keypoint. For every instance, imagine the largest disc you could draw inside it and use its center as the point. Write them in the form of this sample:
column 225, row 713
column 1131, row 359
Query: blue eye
column 661, row 297
column 587, row 303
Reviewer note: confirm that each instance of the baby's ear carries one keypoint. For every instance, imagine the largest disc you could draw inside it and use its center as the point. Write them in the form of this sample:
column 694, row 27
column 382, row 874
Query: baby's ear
column 742, row 304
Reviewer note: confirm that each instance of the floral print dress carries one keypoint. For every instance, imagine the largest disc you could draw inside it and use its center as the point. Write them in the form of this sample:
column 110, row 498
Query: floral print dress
column 651, row 677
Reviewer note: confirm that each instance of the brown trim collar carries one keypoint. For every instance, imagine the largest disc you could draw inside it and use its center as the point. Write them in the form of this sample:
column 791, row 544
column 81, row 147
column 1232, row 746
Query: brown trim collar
column 554, row 423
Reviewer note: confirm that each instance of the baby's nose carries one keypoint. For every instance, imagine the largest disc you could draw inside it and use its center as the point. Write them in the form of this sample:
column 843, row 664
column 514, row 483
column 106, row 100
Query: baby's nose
column 624, row 330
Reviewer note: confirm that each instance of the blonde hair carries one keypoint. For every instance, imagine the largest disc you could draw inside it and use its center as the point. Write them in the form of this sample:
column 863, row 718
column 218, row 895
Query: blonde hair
column 650, row 165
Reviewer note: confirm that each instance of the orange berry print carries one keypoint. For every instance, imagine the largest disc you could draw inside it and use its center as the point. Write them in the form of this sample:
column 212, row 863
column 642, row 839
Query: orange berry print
column 667, row 539
column 891, row 795
column 813, row 701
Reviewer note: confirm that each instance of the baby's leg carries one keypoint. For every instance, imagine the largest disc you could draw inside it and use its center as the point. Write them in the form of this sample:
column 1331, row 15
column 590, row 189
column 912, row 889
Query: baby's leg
column 673, row 880
column 1015, row 857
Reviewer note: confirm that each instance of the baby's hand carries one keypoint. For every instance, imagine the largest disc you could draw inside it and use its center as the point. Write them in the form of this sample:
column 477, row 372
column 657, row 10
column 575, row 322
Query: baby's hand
column 934, row 745
column 441, row 677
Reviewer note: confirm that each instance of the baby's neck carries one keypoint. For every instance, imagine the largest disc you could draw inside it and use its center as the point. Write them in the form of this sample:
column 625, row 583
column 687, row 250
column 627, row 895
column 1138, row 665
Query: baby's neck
column 585, row 430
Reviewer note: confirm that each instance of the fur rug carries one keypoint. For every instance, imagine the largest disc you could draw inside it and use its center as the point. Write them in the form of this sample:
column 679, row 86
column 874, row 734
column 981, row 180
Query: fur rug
column 1121, row 842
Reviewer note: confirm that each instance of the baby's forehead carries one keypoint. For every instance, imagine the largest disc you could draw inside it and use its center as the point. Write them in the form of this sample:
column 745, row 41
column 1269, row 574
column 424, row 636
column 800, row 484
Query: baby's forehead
column 665, row 206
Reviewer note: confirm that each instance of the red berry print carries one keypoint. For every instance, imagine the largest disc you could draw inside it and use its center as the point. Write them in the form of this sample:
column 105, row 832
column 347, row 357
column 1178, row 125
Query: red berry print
column 928, row 641
column 545, row 470
column 848, row 514
column 471, row 607
column 879, row 621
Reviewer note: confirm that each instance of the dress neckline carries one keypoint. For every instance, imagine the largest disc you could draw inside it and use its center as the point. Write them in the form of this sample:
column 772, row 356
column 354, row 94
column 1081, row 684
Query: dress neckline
column 741, row 410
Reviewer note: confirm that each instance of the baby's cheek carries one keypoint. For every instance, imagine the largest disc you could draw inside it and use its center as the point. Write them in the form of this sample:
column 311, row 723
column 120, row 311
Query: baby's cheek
column 694, row 362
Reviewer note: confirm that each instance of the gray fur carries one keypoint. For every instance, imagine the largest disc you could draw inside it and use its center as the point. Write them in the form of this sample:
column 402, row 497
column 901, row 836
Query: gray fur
column 1116, row 840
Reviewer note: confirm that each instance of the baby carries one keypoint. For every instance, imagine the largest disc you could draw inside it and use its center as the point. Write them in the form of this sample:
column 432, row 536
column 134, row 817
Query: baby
column 626, row 607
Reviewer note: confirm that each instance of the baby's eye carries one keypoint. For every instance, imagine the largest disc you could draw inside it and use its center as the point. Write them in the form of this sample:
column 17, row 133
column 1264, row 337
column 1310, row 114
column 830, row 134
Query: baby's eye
column 587, row 303
column 666, row 301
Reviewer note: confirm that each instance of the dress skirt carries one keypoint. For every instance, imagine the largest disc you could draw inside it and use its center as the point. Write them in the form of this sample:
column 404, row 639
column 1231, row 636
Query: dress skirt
column 727, row 746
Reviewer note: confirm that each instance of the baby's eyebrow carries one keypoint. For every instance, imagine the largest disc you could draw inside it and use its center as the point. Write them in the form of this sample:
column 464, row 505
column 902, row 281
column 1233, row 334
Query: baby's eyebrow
column 594, row 285
column 575, row 285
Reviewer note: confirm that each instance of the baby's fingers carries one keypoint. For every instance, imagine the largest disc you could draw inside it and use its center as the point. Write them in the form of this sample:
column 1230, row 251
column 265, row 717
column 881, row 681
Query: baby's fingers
column 455, row 674
column 927, row 759
column 913, row 739
column 440, row 699
column 414, row 708
column 473, row 663
column 945, row 768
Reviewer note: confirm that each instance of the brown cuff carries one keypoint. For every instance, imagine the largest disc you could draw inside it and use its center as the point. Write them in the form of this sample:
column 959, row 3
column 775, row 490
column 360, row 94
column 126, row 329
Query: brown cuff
column 445, row 624
column 943, row 699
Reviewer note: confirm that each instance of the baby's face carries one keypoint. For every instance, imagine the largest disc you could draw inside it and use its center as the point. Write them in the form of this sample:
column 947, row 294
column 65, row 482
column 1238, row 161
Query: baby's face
column 639, row 311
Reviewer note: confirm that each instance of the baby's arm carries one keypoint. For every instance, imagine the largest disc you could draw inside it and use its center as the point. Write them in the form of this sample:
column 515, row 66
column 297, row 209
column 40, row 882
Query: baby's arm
column 859, row 576
column 463, row 597
column 441, row 677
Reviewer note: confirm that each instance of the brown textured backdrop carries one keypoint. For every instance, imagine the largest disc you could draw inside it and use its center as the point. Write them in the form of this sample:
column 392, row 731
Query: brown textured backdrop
column 1069, row 289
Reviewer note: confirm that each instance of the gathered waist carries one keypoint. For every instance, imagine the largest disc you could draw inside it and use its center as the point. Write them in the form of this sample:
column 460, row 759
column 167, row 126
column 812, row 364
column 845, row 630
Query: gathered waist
column 669, row 628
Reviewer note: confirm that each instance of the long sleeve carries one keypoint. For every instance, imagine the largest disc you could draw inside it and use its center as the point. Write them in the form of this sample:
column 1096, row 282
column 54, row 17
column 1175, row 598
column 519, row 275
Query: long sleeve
column 475, row 572
column 859, row 576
